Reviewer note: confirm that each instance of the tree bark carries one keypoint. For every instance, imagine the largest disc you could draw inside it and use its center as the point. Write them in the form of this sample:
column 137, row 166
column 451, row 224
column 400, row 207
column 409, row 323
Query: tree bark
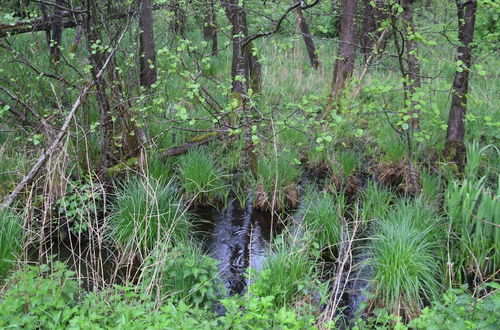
column 57, row 29
column 304, row 30
column 105, row 118
column 455, row 134
column 242, row 67
column 210, row 26
column 344, row 66
column 179, row 23
column 147, row 53
column 412, row 70
column 373, row 15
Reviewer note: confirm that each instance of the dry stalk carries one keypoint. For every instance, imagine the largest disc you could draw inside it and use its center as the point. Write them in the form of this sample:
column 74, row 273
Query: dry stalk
column 344, row 269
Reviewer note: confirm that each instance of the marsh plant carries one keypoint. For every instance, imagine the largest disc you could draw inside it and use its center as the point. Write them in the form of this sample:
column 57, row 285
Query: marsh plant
column 277, row 181
column 474, row 213
column 10, row 240
column 376, row 202
column 182, row 273
column 322, row 219
column 201, row 179
column 407, row 260
column 289, row 276
column 147, row 211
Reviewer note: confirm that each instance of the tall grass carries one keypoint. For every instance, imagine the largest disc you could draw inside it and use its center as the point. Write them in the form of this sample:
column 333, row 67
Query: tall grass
column 288, row 276
column 474, row 213
column 376, row 202
column 146, row 212
column 200, row 177
column 10, row 240
column 406, row 258
column 277, row 180
column 322, row 219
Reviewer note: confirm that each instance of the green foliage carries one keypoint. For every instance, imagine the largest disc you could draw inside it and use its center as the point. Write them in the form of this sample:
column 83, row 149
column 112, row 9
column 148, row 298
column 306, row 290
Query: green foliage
column 182, row 273
column 474, row 212
column 288, row 276
column 81, row 204
column 278, row 174
column 160, row 170
column 460, row 310
column 348, row 162
column 39, row 297
column 251, row 312
column 322, row 219
column 147, row 212
column 376, row 202
column 487, row 28
column 406, row 257
column 11, row 234
column 44, row 298
column 431, row 185
column 200, row 177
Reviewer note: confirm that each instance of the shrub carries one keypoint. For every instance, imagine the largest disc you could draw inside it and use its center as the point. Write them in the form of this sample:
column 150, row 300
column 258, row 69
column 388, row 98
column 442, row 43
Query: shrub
column 10, row 240
column 200, row 177
column 147, row 211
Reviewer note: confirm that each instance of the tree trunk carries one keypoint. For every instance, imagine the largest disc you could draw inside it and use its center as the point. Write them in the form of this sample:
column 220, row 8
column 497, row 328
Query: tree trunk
column 241, row 72
column 344, row 66
column 374, row 13
column 304, row 30
column 210, row 26
column 368, row 30
column 455, row 134
column 43, row 10
column 147, row 53
column 412, row 71
column 105, row 118
column 57, row 29
column 179, row 23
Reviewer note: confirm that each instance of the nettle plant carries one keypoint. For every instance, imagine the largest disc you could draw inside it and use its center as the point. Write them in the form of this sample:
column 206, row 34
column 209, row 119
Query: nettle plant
column 81, row 204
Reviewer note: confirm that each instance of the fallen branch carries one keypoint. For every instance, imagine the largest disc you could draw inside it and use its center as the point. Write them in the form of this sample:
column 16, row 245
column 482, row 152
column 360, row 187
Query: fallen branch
column 69, row 18
column 62, row 133
column 194, row 142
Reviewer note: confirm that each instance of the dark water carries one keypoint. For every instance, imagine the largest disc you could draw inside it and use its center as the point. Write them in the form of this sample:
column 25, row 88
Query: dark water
column 238, row 237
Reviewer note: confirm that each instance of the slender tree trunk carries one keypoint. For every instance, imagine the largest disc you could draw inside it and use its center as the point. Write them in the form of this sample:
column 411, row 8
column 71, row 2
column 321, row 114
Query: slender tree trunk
column 179, row 23
column 43, row 10
column 105, row 119
column 374, row 13
column 412, row 70
column 344, row 66
column 240, row 66
column 304, row 30
column 455, row 145
column 368, row 30
column 147, row 53
column 241, row 72
column 210, row 25
column 57, row 29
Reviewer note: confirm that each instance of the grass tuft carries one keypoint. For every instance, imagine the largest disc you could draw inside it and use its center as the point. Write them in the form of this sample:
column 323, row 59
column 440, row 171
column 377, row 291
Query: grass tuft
column 406, row 257
column 10, row 240
column 147, row 212
column 200, row 177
